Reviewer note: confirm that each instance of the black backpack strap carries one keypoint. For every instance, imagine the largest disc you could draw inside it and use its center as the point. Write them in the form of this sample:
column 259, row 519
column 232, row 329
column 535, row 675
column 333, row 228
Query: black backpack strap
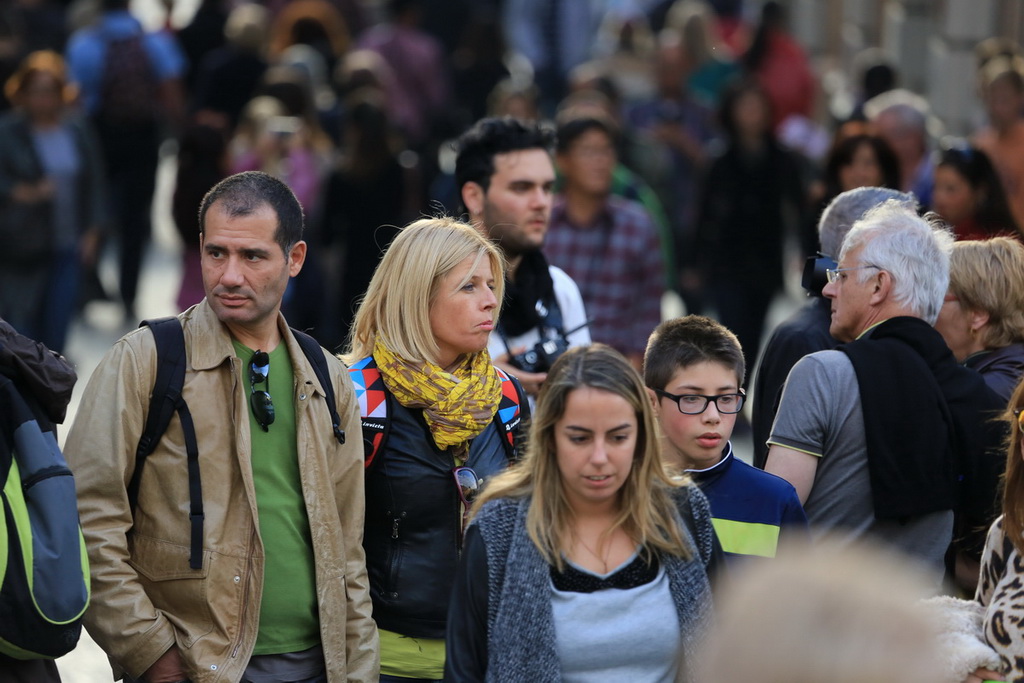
column 170, row 378
column 195, row 487
column 166, row 400
column 315, row 356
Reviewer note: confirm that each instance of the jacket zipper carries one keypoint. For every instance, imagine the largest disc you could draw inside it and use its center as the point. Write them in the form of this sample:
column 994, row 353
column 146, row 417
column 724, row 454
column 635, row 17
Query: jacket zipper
column 395, row 552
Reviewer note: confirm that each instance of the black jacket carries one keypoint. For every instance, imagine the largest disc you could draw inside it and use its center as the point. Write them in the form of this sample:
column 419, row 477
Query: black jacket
column 42, row 376
column 804, row 332
column 413, row 520
column 742, row 215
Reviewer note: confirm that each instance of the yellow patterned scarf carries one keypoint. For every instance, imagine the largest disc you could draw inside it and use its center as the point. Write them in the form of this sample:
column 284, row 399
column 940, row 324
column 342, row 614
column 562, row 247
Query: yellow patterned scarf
column 457, row 405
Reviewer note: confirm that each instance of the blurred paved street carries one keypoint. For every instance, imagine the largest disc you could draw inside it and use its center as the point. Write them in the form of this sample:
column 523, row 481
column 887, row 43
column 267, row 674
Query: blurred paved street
column 89, row 340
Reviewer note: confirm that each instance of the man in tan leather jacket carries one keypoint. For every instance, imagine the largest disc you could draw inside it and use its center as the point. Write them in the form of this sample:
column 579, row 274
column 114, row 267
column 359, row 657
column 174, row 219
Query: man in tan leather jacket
column 282, row 592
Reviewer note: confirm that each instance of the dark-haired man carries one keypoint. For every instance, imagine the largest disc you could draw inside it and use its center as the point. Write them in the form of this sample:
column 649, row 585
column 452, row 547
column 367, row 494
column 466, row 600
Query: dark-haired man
column 280, row 592
column 505, row 179
column 608, row 245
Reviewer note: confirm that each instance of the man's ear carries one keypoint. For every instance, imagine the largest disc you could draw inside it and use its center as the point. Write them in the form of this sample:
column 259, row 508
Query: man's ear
column 296, row 257
column 881, row 287
column 473, row 197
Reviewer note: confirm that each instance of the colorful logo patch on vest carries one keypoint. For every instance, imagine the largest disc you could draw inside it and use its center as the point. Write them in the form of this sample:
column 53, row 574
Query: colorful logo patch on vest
column 369, row 386
column 508, row 408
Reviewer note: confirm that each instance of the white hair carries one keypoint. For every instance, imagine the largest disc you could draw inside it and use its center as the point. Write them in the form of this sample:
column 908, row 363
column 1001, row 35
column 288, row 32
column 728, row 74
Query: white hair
column 912, row 249
column 911, row 109
column 848, row 208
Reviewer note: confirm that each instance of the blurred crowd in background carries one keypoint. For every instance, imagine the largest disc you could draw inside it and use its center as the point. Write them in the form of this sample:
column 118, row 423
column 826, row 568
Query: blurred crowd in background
column 713, row 107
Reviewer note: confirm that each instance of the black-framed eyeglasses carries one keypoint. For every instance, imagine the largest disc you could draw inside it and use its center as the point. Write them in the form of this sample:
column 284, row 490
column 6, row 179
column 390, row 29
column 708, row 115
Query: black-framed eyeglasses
column 695, row 404
column 1020, row 419
column 832, row 274
column 259, row 399
column 467, row 483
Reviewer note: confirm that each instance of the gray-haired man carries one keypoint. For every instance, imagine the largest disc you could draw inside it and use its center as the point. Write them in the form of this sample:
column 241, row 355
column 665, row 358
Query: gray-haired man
column 887, row 435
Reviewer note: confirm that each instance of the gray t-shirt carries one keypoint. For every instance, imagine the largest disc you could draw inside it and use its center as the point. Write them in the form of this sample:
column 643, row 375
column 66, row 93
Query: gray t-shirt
column 618, row 634
column 820, row 413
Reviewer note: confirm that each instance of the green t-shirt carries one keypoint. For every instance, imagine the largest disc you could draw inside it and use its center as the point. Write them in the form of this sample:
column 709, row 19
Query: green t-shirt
column 289, row 620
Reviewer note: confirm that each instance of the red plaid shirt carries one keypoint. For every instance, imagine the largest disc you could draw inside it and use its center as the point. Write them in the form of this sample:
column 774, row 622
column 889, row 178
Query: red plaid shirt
column 617, row 264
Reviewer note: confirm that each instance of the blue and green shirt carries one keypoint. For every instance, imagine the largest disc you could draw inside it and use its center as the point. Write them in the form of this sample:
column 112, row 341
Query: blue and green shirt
column 750, row 508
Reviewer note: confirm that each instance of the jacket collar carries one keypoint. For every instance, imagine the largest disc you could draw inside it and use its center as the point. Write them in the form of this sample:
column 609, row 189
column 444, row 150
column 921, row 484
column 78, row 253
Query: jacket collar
column 715, row 471
column 211, row 341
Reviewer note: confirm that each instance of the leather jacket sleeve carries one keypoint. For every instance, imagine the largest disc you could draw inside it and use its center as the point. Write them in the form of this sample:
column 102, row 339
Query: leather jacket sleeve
column 466, row 636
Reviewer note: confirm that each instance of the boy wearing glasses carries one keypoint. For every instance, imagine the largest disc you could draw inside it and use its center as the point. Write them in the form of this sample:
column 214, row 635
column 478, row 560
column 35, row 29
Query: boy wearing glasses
column 693, row 368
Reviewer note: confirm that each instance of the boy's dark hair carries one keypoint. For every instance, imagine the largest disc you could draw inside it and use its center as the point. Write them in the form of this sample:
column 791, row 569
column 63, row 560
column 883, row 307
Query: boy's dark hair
column 686, row 341
column 478, row 146
column 571, row 129
column 243, row 194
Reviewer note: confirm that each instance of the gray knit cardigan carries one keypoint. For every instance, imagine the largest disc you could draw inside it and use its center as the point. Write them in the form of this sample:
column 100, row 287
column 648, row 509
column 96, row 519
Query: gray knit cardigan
column 521, row 632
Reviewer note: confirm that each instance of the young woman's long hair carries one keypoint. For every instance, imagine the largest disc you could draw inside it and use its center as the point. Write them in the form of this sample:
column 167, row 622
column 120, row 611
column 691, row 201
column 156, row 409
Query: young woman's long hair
column 993, row 212
column 843, row 153
column 1013, row 486
column 647, row 510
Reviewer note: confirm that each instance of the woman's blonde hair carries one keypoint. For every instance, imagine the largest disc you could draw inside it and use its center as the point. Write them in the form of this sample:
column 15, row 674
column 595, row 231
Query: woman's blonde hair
column 974, row 268
column 396, row 307
column 647, row 512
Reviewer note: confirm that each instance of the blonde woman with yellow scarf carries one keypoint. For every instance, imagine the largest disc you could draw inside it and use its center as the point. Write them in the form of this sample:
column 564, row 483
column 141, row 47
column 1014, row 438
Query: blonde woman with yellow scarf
column 419, row 356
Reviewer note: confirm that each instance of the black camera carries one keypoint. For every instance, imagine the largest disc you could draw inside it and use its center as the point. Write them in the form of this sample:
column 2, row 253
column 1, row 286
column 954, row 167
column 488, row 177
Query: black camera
column 545, row 352
column 815, row 278
column 542, row 356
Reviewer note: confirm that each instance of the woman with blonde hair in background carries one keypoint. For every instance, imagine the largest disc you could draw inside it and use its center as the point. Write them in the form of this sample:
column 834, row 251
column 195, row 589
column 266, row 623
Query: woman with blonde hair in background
column 982, row 316
column 420, row 365
column 587, row 561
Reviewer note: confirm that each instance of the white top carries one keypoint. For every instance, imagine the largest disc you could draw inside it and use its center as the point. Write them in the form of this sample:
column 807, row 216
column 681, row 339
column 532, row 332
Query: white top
column 567, row 294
